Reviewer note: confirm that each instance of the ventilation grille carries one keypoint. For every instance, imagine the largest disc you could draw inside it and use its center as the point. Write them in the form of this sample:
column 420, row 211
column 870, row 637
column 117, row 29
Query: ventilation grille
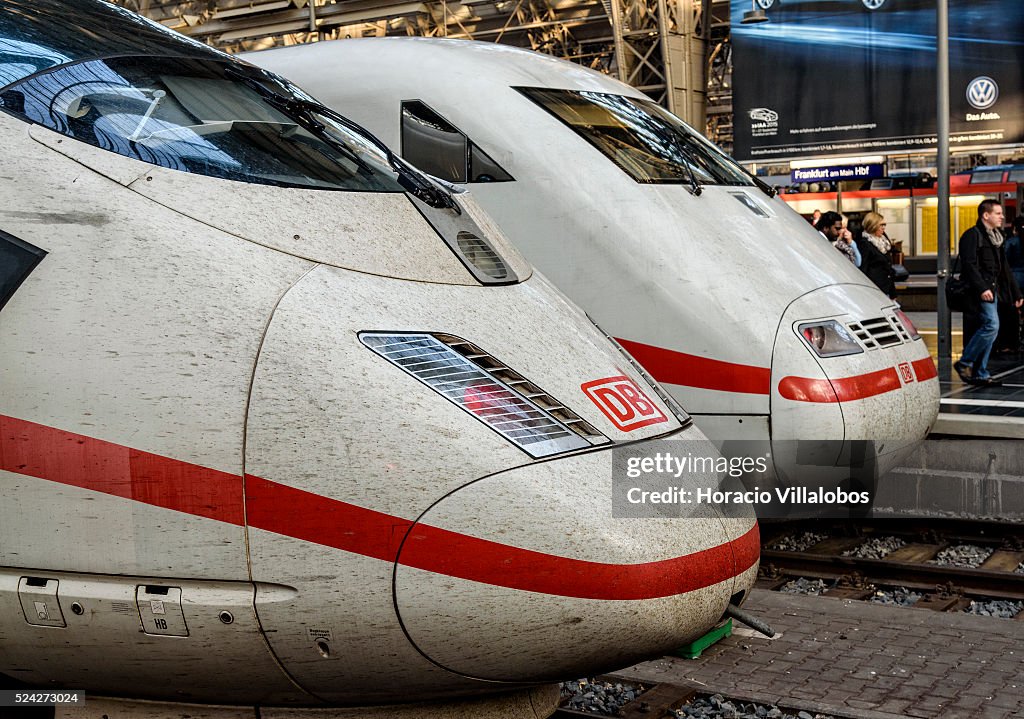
column 484, row 387
column 900, row 328
column 879, row 332
column 480, row 254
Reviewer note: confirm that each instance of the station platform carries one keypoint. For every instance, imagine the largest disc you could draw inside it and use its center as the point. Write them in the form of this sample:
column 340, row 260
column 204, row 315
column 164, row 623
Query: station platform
column 968, row 411
column 972, row 465
column 860, row 660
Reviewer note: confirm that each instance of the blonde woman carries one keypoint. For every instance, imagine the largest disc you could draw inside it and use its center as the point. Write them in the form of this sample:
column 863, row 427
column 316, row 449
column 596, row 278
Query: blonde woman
column 874, row 248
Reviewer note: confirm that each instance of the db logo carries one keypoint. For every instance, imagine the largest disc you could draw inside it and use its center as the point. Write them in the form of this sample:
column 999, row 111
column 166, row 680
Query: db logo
column 623, row 403
column 906, row 372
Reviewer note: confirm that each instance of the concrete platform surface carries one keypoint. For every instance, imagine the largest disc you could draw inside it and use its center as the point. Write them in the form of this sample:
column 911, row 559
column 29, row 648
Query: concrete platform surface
column 863, row 660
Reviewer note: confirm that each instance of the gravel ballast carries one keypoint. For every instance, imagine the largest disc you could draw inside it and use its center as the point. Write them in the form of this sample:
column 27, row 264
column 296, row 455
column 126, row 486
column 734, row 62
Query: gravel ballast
column 875, row 548
column 996, row 608
column 606, row 698
column 801, row 585
column 798, row 542
column 900, row 596
column 962, row 555
column 598, row 697
column 718, row 707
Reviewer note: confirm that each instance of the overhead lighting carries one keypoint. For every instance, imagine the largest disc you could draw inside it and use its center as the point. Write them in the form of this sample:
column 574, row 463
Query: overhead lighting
column 956, row 200
column 861, row 160
column 253, row 8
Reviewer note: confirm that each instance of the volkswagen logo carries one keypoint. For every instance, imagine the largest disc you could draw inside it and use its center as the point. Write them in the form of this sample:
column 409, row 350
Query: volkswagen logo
column 982, row 93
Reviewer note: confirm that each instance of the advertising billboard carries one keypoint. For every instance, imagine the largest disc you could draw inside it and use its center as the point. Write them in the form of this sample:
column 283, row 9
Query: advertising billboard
column 847, row 77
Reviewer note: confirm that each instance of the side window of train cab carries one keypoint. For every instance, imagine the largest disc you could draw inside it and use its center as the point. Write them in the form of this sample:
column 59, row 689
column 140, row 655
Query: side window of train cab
column 438, row 148
column 17, row 260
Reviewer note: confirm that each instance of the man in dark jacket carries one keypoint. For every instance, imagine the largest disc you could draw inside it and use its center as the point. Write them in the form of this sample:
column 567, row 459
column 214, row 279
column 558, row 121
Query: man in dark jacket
column 983, row 264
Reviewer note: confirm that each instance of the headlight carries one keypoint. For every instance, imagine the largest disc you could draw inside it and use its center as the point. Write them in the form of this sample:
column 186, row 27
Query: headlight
column 908, row 325
column 829, row 339
column 487, row 389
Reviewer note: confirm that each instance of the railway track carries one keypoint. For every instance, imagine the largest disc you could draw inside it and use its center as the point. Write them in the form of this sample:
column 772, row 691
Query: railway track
column 654, row 701
column 665, row 700
column 913, row 565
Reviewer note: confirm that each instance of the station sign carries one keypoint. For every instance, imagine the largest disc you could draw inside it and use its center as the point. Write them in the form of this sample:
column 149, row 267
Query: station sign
column 836, row 173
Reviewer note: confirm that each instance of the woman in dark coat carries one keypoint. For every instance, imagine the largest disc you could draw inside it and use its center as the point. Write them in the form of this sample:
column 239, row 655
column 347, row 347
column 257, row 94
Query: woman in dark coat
column 1011, row 333
column 874, row 248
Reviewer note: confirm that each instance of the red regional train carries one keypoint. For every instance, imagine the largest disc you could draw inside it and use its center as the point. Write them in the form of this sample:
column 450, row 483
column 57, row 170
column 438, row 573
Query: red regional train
column 909, row 203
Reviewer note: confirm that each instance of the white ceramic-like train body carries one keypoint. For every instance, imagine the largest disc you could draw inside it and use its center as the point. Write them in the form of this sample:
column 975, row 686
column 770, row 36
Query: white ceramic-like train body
column 707, row 280
column 284, row 423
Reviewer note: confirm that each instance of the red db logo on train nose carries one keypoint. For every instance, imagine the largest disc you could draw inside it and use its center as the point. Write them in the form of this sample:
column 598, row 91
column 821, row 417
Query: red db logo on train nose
column 906, row 372
column 623, row 403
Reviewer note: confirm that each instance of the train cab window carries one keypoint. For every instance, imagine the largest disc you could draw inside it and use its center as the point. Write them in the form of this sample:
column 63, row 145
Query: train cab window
column 437, row 147
column 649, row 143
column 483, row 169
column 1015, row 176
column 40, row 34
column 17, row 260
column 208, row 117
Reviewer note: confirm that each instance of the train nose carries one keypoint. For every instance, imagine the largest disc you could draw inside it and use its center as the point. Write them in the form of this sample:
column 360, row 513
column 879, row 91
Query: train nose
column 847, row 367
column 537, row 581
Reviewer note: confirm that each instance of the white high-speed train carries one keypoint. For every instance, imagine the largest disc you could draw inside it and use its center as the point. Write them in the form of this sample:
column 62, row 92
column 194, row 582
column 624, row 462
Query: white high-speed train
column 724, row 294
column 285, row 423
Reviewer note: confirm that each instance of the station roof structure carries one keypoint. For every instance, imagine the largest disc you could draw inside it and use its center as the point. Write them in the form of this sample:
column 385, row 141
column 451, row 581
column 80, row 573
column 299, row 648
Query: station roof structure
column 676, row 51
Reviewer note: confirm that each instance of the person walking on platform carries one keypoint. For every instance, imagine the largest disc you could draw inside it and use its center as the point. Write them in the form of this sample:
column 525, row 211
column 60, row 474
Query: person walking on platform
column 983, row 263
column 875, row 250
column 1014, row 247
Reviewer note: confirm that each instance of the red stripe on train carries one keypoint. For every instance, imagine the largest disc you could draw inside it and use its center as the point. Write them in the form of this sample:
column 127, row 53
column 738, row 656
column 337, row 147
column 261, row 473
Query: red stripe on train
column 694, row 371
column 321, row 520
column 845, row 389
column 76, row 460
column 80, row 461
column 925, row 369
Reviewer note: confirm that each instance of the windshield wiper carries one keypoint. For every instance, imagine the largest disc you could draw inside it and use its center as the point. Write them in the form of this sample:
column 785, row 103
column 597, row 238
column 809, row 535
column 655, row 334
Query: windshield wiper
column 762, row 185
column 305, row 110
column 411, row 179
column 158, row 95
column 673, row 138
column 689, row 160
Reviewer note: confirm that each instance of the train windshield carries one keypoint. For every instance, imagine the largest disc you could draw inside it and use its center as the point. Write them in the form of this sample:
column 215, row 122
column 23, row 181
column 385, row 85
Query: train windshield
column 649, row 143
column 208, row 117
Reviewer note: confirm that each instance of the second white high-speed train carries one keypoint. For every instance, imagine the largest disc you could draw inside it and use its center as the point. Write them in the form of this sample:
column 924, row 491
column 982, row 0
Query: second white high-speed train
column 721, row 291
